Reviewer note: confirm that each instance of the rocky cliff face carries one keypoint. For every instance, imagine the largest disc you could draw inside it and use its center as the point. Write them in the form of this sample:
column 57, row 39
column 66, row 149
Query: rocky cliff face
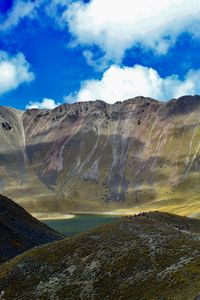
column 19, row 231
column 150, row 256
column 140, row 153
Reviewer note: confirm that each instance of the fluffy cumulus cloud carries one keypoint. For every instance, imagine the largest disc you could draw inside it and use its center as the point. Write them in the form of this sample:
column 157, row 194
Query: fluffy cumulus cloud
column 14, row 70
column 44, row 104
column 116, row 26
column 120, row 83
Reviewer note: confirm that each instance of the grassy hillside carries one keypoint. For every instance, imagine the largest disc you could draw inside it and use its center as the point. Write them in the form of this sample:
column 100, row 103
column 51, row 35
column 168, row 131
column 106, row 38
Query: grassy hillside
column 149, row 256
column 19, row 231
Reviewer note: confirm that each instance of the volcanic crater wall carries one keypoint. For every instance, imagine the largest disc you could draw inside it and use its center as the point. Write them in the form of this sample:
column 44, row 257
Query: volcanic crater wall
column 92, row 156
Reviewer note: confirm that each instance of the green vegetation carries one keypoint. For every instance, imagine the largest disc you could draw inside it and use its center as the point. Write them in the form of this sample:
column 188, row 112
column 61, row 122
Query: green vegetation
column 150, row 256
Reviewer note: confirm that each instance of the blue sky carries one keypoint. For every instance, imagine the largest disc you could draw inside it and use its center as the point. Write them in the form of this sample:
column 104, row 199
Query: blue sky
column 59, row 51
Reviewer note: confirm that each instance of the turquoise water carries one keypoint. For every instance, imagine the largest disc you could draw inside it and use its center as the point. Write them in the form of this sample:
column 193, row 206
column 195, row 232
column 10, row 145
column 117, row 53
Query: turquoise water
column 79, row 223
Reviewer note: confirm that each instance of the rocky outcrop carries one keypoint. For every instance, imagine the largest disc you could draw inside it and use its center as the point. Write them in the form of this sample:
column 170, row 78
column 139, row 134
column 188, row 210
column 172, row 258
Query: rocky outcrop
column 149, row 256
column 19, row 231
column 6, row 126
column 87, row 156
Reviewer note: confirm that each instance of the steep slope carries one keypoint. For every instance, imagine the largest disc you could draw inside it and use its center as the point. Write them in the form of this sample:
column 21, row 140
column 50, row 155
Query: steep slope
column 19, row 231
column 17, row 177
column 150, row 256
column 140, row 154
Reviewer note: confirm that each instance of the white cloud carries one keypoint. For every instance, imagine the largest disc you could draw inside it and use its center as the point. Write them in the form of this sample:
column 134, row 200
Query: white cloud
column 120, row 83
column 99, row 63
column 116, row 26
column 44, row 104
column 53, row 10
column 22, row 9
column 14, row 70
column 19, row 10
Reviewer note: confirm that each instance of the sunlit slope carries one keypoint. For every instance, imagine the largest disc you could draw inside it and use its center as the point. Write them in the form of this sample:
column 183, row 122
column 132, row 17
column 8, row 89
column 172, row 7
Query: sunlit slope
column 17, row 178
column 92, row 156
column 151, row 256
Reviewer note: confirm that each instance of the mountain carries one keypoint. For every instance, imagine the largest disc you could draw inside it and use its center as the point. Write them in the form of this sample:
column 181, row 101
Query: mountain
column 139, row 154
column 151, row 256
column 19, row 231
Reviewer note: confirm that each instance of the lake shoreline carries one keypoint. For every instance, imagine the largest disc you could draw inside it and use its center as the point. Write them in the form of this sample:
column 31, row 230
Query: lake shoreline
column 52, row 216
column 80, row 223
column 63, row 216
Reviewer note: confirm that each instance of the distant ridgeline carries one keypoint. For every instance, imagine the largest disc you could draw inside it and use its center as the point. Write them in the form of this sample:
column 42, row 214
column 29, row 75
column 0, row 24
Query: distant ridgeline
column 93, row 156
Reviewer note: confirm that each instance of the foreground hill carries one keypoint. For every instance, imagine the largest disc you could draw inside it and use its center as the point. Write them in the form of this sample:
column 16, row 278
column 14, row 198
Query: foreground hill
column 149, row 256
column 19, row 231
column 92, row 156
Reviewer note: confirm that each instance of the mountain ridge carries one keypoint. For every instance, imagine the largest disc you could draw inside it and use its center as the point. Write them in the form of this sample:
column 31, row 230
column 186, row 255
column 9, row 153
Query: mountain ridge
column 95, row 156
column 128, row 100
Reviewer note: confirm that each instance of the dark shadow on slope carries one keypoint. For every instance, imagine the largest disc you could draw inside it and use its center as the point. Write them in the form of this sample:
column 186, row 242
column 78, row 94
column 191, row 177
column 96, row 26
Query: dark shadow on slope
column 182, row 106
column 19, row 231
